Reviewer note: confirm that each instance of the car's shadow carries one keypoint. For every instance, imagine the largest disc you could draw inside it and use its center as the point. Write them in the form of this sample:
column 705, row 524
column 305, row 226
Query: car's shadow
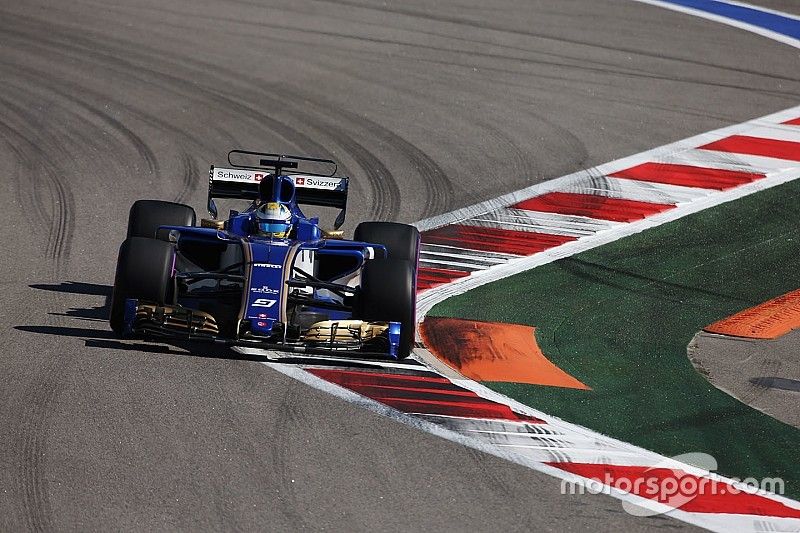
column 103, row 337
column 75, row 287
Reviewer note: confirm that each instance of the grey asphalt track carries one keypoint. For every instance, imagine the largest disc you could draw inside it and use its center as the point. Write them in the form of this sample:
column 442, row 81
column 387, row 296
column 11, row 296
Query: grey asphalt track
column 764, row 374
column 429, row 107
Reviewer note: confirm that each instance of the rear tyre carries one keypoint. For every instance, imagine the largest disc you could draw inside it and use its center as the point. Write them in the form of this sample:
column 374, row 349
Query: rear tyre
column 147, row 215
column 401, row 240
column 144, row 272
column 388, row 294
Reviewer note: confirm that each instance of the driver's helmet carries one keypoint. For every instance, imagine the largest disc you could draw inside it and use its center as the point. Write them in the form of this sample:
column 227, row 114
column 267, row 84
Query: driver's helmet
column 273, row 219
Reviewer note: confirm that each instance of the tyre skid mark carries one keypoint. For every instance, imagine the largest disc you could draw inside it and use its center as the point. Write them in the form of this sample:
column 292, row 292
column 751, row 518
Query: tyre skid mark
column 377, row 173
column 127, row 65
column 58, row 207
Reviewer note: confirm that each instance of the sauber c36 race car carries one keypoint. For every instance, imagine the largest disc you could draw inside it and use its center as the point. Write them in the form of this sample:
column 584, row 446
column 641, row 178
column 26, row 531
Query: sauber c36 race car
column 268, row 277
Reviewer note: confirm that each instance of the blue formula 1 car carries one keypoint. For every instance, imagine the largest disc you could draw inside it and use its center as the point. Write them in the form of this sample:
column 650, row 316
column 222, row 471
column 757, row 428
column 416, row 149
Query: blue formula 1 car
column 268, row 277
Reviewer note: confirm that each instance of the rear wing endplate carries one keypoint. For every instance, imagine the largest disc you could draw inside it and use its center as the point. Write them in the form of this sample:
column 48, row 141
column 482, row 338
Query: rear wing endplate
column 242, row 183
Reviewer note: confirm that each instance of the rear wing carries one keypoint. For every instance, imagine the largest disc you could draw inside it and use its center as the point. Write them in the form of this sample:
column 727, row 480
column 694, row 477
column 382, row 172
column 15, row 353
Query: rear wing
column 241, row 182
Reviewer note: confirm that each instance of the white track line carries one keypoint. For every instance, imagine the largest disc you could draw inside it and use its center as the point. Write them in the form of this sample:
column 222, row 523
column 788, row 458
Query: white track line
column 764, row 9
column 540, row 222
column 642, row 191
column 726, row 161
column 775, row 36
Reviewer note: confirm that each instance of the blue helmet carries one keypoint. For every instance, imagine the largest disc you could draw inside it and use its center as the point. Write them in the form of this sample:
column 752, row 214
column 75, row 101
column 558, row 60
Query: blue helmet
column 273, row 219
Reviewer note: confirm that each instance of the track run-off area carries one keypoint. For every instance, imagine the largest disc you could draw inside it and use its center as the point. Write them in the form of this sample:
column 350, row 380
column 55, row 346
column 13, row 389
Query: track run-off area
column 439, row 113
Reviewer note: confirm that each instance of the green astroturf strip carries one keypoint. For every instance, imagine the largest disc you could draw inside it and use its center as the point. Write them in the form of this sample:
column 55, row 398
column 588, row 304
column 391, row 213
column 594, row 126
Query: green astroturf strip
column 619, row 318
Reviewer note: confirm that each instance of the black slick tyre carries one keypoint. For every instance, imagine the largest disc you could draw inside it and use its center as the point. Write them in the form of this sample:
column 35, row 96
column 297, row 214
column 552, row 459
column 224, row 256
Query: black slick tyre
column 144, row 272
column 401, row 240
column 147, row 215
column 388, row 294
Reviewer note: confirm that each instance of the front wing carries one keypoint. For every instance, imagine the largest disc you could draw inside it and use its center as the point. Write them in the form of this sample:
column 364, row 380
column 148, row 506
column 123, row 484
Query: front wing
column 340, row 337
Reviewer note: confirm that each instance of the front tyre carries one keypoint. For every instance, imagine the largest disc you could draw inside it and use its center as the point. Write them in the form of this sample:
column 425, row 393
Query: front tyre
column 144, row 272
column 147, row 215
column 401, row 240
column 388, row 295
